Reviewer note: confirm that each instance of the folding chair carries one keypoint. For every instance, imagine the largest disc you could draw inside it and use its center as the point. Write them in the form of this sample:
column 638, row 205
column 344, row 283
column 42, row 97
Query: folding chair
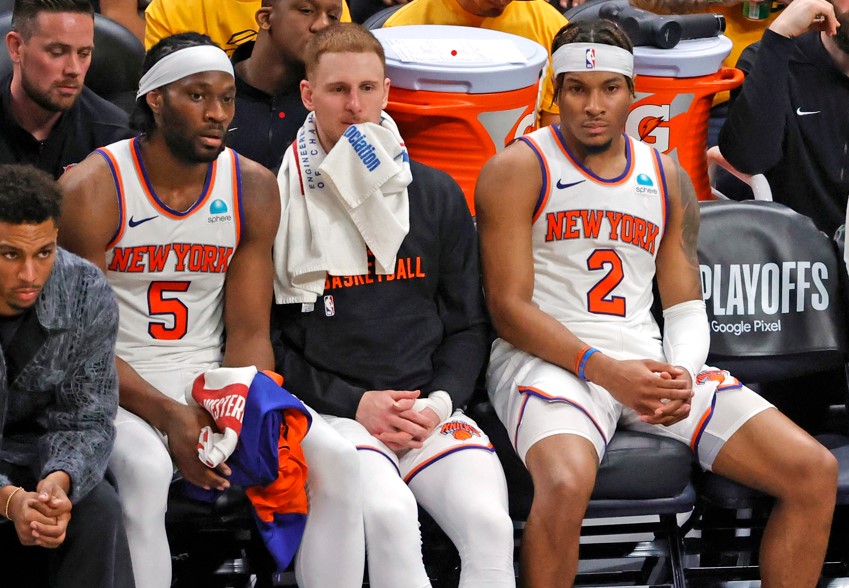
column 215, row 543
column 377, row 20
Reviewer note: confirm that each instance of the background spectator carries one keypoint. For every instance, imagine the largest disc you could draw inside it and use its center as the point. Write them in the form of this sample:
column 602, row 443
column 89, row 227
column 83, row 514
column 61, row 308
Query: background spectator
column 129, row 13
column 791, row 121
column 269, row 109
column 48, row 118
column 227, row 22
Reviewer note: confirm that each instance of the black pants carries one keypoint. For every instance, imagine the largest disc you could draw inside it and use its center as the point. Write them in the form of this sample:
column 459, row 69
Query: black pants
column 94, row 554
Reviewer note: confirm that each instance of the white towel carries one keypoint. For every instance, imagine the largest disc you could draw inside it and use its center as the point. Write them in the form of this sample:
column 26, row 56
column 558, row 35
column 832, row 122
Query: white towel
column 335, row 207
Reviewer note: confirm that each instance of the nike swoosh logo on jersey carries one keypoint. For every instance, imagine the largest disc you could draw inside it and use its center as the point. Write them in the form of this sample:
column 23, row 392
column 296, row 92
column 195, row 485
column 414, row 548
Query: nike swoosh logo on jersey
column 135, row 223
column 562, row 186
column 801, row 112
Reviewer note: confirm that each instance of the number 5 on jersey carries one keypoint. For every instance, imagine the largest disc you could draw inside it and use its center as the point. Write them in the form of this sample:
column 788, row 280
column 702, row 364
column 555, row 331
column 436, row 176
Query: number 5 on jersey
column 599, row 300
column 159, row 305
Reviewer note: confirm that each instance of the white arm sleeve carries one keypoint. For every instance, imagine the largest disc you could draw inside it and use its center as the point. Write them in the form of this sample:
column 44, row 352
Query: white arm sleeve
column 686, row 336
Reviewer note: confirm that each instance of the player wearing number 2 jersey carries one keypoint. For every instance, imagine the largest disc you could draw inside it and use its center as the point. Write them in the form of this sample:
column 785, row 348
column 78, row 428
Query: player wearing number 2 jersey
column 610, row 229
column 575, row 223
column 183, row 228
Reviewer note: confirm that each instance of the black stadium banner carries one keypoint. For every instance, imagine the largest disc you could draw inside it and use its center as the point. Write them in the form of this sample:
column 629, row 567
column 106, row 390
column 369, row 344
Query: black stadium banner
column 772, row 286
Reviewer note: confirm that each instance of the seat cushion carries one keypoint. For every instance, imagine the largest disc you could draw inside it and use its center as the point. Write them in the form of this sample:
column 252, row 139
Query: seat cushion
column 719, row 491
column 636, row 467
column 639, row 465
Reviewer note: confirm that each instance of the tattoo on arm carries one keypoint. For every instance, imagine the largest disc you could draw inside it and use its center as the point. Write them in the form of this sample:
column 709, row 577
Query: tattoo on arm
column 680, row 6
column 690, row 218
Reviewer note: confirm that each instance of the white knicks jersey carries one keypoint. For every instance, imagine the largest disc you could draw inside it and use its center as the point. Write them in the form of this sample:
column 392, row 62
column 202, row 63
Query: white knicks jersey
column 595, row 243
column 168, row 267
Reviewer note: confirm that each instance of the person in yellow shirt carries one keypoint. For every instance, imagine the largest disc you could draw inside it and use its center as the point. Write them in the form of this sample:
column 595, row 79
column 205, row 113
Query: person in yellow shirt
column 533, row 19
column 227, row 22
column 743, row 31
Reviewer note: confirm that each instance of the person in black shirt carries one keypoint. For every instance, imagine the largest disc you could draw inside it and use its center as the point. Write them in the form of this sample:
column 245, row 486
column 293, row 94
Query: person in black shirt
column 269, row 110
column 380, row 322
column 47, row 117
column 791, row 121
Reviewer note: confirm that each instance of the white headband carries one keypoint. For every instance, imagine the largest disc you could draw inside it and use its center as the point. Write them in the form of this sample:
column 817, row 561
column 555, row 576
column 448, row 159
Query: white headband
column 578, row 57
column 183, row 63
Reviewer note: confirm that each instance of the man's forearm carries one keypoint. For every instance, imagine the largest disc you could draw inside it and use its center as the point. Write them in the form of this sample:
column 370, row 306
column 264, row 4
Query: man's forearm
column 680, row 6
column 139, row 397
column 252, row 350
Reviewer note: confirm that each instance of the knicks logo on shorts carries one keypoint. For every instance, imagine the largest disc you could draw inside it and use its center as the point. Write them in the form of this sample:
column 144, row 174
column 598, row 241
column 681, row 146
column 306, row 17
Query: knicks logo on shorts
column 711, row 376
column 723, row 379
column 459, row 430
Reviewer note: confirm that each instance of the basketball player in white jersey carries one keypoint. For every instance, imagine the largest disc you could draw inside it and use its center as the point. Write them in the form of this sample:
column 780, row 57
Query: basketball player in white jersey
column 183, row 228
column 575, row 221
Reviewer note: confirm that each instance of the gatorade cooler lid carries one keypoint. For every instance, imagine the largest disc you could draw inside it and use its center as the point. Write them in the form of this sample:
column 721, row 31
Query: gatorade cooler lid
column 464, row 60
column 688, row 59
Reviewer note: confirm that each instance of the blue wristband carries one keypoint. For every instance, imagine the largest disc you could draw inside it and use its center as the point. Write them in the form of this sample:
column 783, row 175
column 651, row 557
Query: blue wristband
column 583, row 362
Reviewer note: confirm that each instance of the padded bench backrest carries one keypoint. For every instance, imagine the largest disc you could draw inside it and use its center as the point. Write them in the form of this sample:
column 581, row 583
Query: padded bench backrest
column 771, row 283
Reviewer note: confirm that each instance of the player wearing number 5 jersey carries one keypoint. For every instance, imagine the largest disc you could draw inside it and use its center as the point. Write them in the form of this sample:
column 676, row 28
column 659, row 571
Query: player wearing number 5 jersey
column 575, row 222
column 183, row 228
column 168, row 267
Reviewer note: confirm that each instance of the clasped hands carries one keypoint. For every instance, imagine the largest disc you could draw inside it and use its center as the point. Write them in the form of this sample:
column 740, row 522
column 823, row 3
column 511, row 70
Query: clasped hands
column 41, row 517
column 389, row 415
column 661, row 393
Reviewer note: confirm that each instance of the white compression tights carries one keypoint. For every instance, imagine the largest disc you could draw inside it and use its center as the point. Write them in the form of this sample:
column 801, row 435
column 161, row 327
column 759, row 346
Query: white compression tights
column 333, row 547
column 465, row 493
column 332, row 551
column 142, row 466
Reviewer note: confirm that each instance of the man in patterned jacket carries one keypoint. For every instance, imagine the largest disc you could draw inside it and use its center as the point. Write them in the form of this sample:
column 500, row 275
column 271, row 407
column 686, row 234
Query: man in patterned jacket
column 59, row 394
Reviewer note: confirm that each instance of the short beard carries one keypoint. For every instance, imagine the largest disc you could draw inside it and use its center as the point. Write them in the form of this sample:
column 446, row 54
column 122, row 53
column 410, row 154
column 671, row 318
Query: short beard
column 596, row 149
column 841, row 39
column 177, row 138
column 26, row 307
column 183, row 149
column 43, row 98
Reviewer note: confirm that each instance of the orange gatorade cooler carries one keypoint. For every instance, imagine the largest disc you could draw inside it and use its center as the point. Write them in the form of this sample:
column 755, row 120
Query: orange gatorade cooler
column 460, row 94
column 675, row 89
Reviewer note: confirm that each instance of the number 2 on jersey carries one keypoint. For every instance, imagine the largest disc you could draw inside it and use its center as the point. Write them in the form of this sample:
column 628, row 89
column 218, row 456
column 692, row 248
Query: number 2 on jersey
column 158, row 305
column 599, row 300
